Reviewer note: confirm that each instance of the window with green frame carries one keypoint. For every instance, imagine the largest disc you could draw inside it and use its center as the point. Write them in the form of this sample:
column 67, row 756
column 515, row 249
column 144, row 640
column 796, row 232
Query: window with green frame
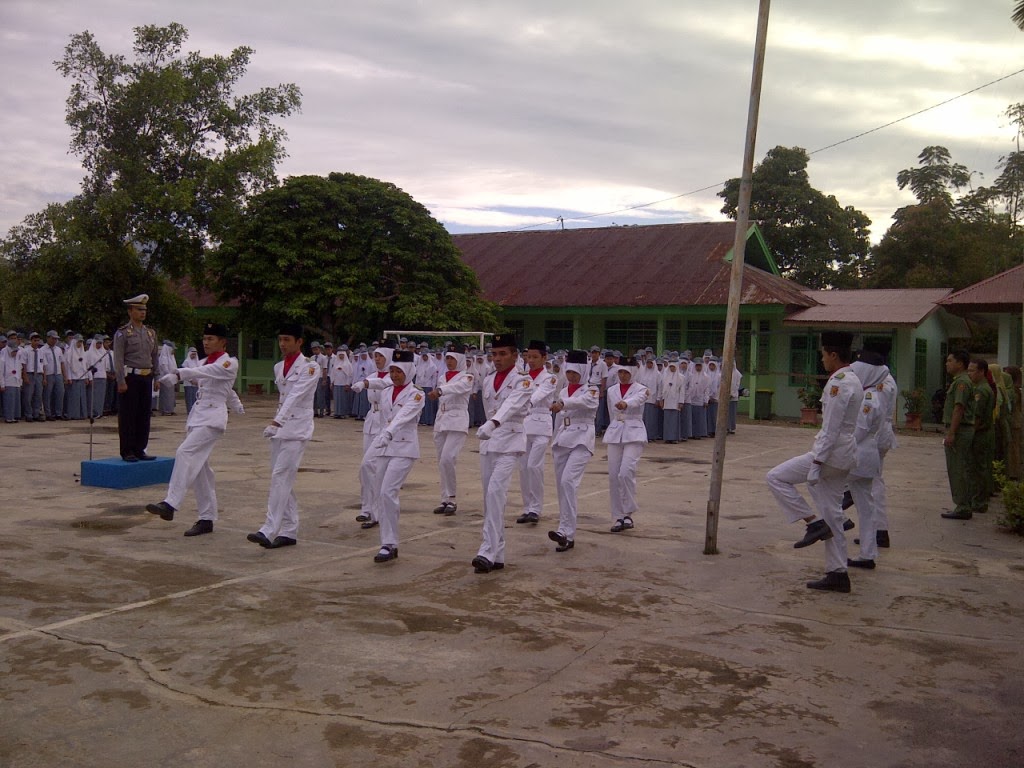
column 705, row 334
column 627, row 336
column 921, row 363
column 673, row 335
column 518, row 327
column 559, row 333
column 803, row 358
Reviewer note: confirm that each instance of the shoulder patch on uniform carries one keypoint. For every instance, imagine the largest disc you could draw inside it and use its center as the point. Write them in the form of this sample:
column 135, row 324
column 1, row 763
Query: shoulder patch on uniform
column 554, row 380
column 226, row 363
column 526, row 383
column 594, row 392
column 977, row 395
column 312, row 371
column 867, row 409
column 840, row 376
column 880, row 387
column 834, row 391
column 867, row 395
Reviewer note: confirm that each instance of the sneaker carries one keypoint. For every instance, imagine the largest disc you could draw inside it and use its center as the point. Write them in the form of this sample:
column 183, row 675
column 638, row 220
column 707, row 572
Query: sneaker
column 450, row 508
column 438, row 510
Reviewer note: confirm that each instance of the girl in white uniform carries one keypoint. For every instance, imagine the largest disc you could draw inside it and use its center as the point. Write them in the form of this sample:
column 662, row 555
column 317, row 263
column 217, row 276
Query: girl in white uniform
column 625, row 437
column 451, row 425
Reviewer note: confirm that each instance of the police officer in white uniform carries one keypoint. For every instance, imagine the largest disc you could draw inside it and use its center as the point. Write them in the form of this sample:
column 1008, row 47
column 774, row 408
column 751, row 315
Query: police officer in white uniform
column 451, row 425
column 573, row 446
column 296, row 378
column 826, row 466
column 396, row 447
column 625, row 437
column 506, row 400
column 207, row 420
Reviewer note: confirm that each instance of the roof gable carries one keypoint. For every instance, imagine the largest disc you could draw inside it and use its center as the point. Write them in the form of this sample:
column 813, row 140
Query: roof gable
column 1000, row 293
column 870, row 306
column 635, row 266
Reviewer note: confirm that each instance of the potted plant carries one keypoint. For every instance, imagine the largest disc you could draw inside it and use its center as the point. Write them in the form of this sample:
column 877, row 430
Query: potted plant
column 914, row 403
column 810, row 401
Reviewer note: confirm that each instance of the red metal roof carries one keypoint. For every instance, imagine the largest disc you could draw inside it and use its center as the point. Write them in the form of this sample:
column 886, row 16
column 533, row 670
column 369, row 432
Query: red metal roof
column 870, row 306
column 1001, row 293
column 633, row 266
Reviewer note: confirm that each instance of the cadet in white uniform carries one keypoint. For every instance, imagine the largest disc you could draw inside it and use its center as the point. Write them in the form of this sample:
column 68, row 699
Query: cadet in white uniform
column 396, row 447
column 625, row 437
column 826, row 466
column 451, row 425
column 207, row 420
column 573, row 445
column 167, row 364
column 374, row 385
column 506, row 401
column 870, row 370
column 538, row 427
column 296, row 378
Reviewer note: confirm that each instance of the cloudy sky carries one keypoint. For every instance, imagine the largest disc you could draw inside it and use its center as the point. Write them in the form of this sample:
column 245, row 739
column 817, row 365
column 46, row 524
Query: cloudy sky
column 508, row 114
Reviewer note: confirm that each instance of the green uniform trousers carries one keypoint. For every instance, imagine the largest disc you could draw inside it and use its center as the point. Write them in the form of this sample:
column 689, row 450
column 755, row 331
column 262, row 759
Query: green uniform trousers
column 959, row 468
column 983, row 452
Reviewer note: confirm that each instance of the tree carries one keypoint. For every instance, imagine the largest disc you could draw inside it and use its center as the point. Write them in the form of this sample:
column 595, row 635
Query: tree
column 815, row 241
column 169, row 151
column 348, row 256
column 1018, row 15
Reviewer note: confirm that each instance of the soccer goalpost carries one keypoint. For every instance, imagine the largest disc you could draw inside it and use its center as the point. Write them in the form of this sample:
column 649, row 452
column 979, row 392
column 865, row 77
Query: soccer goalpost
column 480, row 335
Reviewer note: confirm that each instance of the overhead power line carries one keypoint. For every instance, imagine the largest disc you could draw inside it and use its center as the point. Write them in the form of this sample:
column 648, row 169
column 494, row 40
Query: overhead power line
column 821, row 149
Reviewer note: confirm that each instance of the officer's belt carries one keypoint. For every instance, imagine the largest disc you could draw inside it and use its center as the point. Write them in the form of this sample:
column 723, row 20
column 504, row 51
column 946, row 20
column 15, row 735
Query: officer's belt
column 138, row 371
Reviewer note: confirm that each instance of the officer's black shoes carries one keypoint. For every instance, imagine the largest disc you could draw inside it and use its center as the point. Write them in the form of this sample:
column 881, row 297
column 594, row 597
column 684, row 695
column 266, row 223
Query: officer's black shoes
column 834, row 581
column 564, row 542
column 957, row 515
column 868, row 564
column 482, row 565
column 386, row 553
column 361, row 518
column 816, row 531
column 165, row 510
column 528, row 517
column 882, row 538
column 201, row 527
column 282, row 541
column 259, row 538
column 131, row 458
column 848, row 524
column 847, row 500
column 369, row 524
column 146, row 457
column 622, row 524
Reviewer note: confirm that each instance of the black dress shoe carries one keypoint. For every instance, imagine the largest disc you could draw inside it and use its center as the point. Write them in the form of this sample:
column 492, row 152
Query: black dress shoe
column 882, row 538
column 527, row 517
column 386, row 553
column 259, row 538
column 865, row 563
column 200, row 527
column 146, row 457
column 370, row 524
column 848, row 524
column 131, row 458
column 834, row 581
column 564, row 542
column 816, row 531
column 282, row 541
column 482, row 565
column 165, row 510
column 361, row 518
column 957, row 515
column 847, row 500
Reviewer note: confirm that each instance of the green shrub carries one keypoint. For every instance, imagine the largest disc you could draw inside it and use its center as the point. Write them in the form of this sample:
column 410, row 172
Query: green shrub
column 1012, row 516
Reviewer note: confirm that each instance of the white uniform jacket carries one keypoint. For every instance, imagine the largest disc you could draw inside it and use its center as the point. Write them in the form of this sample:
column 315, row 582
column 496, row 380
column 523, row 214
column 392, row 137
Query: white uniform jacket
column 870, row 420
column 575, row 421
column 295, row 399
column 400, row 418
column 841, row 401
column 545, row 390
column 886, row 393
column 453, row 405
column 375, row 386
column 216, row 394
column 626, row 426
column 508, row 406
column 341, row 370
column 673, row 389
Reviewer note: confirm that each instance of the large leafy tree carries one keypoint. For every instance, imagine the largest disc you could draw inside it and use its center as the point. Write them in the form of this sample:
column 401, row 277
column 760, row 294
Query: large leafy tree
column 815, row 241
column 171, row 153
column 347, row 256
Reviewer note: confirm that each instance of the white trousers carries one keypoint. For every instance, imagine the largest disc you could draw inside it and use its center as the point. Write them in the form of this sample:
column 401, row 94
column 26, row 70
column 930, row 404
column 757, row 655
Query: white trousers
column 623, row 459
column 880, row 495
column 192, row 469
column 368, row 484
column 282, row 506
column 449, row 446
column 390, row 473
column 862, row 491
column 531, row 473
column 569, row 466
column 495, row 475
column 827, row 494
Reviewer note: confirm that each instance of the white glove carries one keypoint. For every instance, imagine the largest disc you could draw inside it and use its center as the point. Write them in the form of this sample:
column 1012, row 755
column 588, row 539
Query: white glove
column 168, row 379
column 381, row 441
column 270, row 431
column 240, row 409
column 814, row 474
column 484, row 433
column 357, row 386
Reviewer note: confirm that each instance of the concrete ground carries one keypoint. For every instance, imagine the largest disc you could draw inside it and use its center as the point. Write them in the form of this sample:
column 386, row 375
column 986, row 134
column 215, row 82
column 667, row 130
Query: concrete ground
column 122, row 643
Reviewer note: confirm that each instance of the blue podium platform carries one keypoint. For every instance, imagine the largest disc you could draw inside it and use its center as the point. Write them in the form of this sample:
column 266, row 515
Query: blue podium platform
column 118, row 473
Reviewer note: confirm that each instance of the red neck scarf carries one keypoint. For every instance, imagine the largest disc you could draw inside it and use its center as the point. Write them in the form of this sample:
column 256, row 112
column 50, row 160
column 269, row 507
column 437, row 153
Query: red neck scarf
column 449, row 375
column 396, row 391
column 623, row 389
column 217, row 356
column 573, row 388
column 499, row 378
column 535, row 373
column 289, row 360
